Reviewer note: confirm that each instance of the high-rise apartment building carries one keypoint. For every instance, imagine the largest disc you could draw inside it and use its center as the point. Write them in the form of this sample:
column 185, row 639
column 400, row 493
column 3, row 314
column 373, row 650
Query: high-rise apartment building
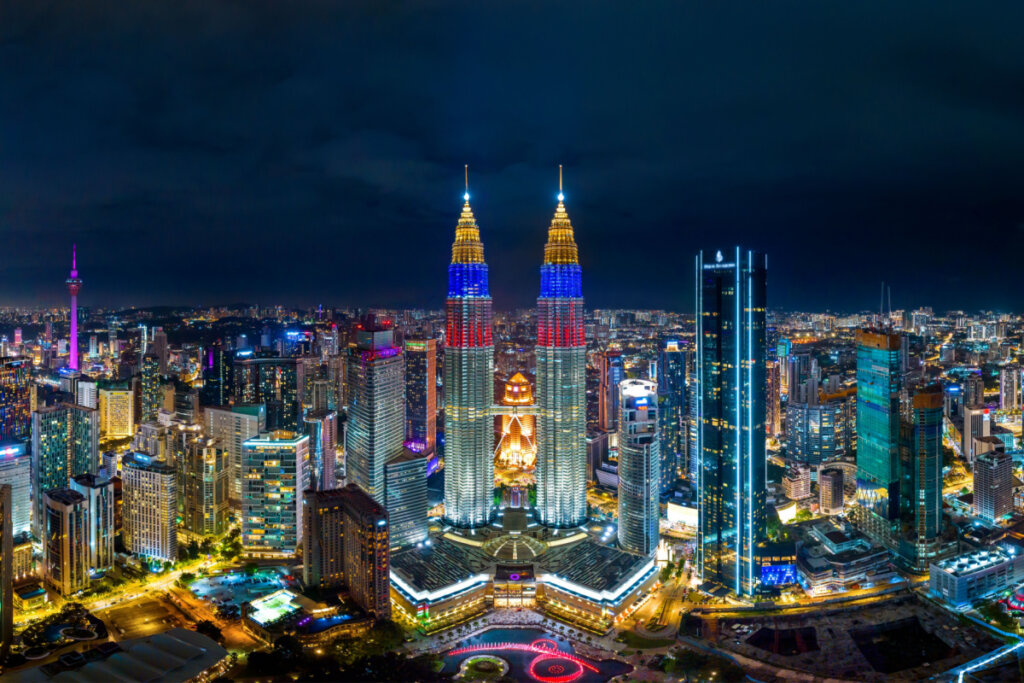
column 276, row 382
column 16, row 472
column 878, row 422
column 218, row 383
column 275, row 471
column 117, row 413
column 205, row 479
column 152, row 387
column 65, row 443
column 321, row 424
column 366, row 552
column 232, row 426
column 671, row 377
column 15, row 397
column 323, row 540
column 406, row 498
column 98, row 493
column 421, row 395
column 561, row 354
column 977, row 425
column 639, row 466
column 974, row 389
column 65, row 520
column 731, row 300
column 161, row 349
column 993, row 485
column 149, row 508
column 376, row 411
column 468, row 380
column 830, row 490
column 87, row 392
column 1009, row 387
column 7, row 571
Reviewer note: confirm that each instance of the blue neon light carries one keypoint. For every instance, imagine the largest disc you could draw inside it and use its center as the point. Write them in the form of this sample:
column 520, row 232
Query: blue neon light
column 778, row 574
column 467, row 279
column 561, row 280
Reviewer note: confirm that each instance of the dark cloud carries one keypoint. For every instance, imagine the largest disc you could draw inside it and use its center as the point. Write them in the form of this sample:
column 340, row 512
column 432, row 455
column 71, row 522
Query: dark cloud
column 311, row 152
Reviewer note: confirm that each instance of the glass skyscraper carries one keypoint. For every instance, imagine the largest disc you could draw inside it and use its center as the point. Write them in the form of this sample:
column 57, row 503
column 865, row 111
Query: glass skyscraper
column 468, row 381
column 561, row 353
column 671, row 410
column 878, row 427
column 730, row 411
column 65, row 444
column 421, row 395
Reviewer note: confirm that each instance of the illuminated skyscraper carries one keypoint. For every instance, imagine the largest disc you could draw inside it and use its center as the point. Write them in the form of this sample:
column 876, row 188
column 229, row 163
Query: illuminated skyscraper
column 639, row 466
column 74, row 284
column 217, row 380
column 421, row 395
column 993, row 485
column 773, row 421
column 376, row 411
column 878, row 430
column 367, row 553
column 98, row 493
column 152, row 395
column 6, row 572
column 561, row 380
column 205, row 479
column 517, row 447
column 150, row 505
column 16, row 472
column 1009, row 387
column 671, row 411
column 468, row 381
column 117, row 413
column 923, row 477
column 273, row 381
column 232, row 426
column 275, row 472
column 15, row 397
column 65, row 556
column 65, row 444
column 323, row 540
column 612, row 373
column 731, row 490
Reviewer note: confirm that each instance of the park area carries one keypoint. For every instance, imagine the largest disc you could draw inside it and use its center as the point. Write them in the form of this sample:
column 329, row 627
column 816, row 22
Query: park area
column 227, row 592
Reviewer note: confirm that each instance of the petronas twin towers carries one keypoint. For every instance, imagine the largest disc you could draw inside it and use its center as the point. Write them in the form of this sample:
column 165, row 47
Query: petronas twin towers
column 561, row 381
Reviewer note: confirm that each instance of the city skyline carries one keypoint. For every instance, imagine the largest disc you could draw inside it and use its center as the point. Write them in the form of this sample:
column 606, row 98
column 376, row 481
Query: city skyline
column 752, row 141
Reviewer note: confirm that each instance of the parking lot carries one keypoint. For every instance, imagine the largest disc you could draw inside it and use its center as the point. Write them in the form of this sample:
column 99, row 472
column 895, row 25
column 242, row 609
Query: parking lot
column 227, row 592
column 144, row 617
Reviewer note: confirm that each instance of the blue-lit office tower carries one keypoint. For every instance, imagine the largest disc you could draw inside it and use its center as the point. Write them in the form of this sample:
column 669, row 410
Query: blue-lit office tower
column 376, row 409
column 65, row 444
column 639, row 466
column 468, row 381
column 878, row 432
column 561, row 353
column 671, row 411
column 612, row 373
column 730, row 303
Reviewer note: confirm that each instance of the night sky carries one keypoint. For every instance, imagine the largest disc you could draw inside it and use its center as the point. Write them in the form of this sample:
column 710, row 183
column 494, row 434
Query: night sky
column 303, row 153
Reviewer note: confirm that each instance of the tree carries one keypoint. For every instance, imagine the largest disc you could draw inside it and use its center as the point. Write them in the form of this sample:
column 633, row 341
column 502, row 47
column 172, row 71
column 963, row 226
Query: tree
column 250, row 568
column 210, row 630
column 803, row 515
column 185, row 579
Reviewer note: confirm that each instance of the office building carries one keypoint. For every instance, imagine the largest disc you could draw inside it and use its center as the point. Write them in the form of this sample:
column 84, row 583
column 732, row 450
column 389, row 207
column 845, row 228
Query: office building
column 993, row 485
column 974, row 389
column 366, row 552
column 773, row 405
column 152, row 387
column 731, row 487
column 218, row 382
column 878, row 422
column 830, row 490
column 15, row 397
column 65, row 443
column 321, row 424
column 468, row 380
column 7, row 571
column 639, row 466
column 205, row 479
column 977, row 426
column 820, row 426
column 561, row 353
column 16, row 472
column 376, row 410
column 671, row 377
column 275, row 471
column 117, row 413
column 963, row 580
column 323, row 543
column 65, row 556
column 98, row 494
column 612, row 372
column 87, row 393
column 517, row 444
column 421, row 395
column 923, row 466
column 1009, row 387
column 149, row 510
column 277, row 383
column 232, row 426
column 161, row 349
column 74, row 284
column 406, row 498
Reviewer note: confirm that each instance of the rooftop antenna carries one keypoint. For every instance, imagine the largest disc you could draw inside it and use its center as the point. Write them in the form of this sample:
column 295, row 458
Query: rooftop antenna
column 561, row 197
column 889, row 290
column 466, row 196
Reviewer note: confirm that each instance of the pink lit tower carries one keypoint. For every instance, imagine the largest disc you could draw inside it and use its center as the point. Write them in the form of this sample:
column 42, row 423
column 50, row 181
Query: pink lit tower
column 74, row 285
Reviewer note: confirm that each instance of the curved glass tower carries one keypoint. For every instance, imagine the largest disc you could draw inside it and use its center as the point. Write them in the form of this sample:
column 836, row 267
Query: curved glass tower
column 561, row 381
column 639, row 466
column 468, row 381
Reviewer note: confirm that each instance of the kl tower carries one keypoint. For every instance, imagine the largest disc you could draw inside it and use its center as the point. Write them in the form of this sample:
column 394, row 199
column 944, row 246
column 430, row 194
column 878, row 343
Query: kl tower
column 74, row 284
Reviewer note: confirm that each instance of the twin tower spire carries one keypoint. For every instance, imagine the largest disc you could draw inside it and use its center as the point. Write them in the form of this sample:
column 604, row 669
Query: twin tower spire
column 560, row 379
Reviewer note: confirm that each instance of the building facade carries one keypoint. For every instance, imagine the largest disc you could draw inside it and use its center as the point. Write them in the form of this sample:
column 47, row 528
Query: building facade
column 406, row 498
column 232, row 427
column 65, row 443
column 367, row 552
column 323, row 543
column 149, row 507
column 98, row 493
column 15, row 397
column 421, row 395
column 731, row 487
column 275, row 471
column 205, row 480
column 65, row 563
column 117, row 413
column 16, row 472
column 672, row 364
column 993, row 485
